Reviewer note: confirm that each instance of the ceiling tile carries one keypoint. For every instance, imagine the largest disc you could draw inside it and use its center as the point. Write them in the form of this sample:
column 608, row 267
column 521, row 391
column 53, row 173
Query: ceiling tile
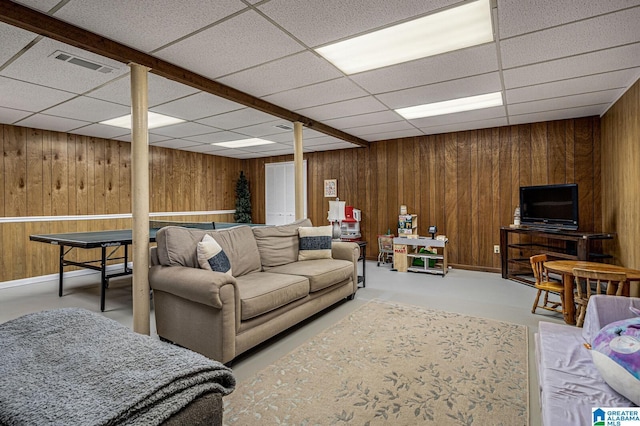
column 100, row 131
column 380, row 128
column 164, row 20
column 586, row 111
column 327, row 92
column 50, row 122
column 36, row 65
column 611, row 80
column 453, row 89
column 217, row 137
column 394, row 135
column 319, row 22
column 9, row 115
column 605, row 31
column 269, row 148
column 29, row 97
column 450, row 66
column 263, row 129
column 293, row 71
column 344, row 108
column 238, row 118
column 460, row 117
column 13, row 40
column 89, row 109
column 577, row 66
column 175, row 143
column 183, row 130
column 586, row 99
column 243, row 41
column 519, row 17
column 364, row 119
column 196, row 106
column 41, row 5
column 160, row 90
column 471, row 125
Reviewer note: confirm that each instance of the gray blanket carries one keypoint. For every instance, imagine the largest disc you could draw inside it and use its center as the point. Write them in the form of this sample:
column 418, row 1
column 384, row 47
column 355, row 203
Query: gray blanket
column 75, row 367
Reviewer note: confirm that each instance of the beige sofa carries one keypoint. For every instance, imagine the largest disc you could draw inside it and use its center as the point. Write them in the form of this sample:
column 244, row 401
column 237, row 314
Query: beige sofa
column 222, row 316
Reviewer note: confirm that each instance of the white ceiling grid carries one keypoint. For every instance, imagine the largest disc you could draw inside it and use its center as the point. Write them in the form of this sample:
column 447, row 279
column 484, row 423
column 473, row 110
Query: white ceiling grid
column 551, row 59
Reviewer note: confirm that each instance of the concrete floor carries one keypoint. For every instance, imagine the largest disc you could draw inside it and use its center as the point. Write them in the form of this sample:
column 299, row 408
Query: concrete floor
column 473, row 293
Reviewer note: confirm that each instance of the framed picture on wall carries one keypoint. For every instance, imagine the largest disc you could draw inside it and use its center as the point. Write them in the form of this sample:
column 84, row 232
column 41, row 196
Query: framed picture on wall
column 330, row 187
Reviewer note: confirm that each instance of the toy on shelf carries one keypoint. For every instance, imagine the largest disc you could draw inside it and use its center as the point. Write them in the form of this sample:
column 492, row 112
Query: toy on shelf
column 350, row 227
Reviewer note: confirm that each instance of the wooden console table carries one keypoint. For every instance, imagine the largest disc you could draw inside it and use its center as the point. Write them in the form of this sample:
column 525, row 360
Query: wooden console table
column 557, row 244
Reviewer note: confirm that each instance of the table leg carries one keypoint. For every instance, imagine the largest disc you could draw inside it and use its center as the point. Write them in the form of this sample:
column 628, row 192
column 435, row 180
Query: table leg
column 568, row 305
column 61, row 271
column 103, row 277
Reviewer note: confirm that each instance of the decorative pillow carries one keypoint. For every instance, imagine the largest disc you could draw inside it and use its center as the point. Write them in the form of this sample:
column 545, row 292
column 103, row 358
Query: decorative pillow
column 315, row 242
column 616, row 354
column 212, row 257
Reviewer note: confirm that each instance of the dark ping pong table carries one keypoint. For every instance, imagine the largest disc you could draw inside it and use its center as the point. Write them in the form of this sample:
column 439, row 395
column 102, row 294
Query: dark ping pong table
column 108, row 242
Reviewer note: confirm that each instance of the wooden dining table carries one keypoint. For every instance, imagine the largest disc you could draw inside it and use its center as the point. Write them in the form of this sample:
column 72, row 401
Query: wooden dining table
column 565, row 268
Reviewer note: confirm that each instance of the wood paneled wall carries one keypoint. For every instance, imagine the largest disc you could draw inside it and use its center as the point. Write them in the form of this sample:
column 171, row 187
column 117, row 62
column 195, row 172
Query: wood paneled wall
column 45, row 173
column 621, row 176
column 465, row 183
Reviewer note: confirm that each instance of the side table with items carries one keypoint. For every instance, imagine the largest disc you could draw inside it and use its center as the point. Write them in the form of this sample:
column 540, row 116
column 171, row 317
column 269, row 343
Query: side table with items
column 363, row 258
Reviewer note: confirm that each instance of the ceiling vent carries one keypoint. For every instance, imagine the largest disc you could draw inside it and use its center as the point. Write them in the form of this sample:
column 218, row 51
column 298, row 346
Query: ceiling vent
column 85, row 63
column 283, row 127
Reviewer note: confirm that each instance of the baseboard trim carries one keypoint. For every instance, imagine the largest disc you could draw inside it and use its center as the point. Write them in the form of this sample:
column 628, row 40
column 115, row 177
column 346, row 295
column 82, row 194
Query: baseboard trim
column 54, row 277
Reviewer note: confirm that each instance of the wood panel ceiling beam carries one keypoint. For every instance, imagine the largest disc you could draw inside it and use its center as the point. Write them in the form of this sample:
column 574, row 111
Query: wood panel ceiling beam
column 37, row 22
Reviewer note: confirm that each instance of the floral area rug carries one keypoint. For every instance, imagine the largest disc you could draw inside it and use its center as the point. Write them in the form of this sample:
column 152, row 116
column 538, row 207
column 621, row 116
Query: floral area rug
column 388, row 363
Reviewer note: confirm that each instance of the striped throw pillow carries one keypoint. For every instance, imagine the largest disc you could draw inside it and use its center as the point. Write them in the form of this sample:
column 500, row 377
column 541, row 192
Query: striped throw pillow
column 212, row 257
column 315, row 242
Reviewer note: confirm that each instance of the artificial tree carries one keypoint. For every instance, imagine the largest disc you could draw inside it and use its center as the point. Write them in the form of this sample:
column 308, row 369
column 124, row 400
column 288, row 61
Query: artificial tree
column 243, row 200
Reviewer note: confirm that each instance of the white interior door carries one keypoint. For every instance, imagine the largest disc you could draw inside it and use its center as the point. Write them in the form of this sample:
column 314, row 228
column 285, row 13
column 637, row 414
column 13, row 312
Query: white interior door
column 280, row 195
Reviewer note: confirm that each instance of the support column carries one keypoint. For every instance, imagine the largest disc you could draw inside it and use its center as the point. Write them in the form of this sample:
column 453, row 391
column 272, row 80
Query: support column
column 140, row 197
column 298, row 163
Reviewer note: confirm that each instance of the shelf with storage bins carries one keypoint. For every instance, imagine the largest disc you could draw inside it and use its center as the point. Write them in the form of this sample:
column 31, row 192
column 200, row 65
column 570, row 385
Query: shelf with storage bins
column 433, row 263
column 408, row 224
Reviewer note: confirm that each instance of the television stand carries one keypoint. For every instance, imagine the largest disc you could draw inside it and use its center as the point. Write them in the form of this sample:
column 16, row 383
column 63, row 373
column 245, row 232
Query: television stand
column 517, row 244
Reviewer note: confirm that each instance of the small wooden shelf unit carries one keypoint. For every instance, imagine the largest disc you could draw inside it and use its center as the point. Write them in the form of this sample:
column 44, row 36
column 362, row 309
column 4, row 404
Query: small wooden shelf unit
column 440, row 267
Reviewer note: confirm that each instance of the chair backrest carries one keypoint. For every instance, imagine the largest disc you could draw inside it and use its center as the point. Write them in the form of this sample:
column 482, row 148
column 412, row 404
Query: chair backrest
column 598, row 282
column 537, row 264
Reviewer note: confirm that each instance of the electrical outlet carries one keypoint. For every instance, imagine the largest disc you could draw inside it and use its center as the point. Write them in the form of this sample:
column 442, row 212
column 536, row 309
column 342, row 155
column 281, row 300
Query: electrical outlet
column 496, row 249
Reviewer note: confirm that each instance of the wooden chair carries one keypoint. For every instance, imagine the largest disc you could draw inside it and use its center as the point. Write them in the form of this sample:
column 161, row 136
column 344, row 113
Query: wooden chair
column 589, row 282
column 543, row 284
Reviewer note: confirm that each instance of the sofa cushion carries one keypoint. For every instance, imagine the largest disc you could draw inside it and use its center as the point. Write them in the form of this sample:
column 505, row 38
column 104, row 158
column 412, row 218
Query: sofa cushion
column 262, row 292
column 177, row 246
column 315, row 242
column 322, row 273
column 279, row 245
column 211, row 256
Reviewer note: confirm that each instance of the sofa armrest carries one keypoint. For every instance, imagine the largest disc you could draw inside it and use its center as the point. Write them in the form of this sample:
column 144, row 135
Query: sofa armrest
column 603, row 309
column 345, row 250
column 197, row 285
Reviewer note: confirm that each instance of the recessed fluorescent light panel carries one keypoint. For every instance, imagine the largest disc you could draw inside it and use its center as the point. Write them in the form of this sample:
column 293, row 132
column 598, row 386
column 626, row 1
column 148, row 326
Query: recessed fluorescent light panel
column 154, row 120
column 243, row 143
column 449, row 107
column 452, row 29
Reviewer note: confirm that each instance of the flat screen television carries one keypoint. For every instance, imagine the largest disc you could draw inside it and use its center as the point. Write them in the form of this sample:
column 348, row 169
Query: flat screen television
column 549, row 206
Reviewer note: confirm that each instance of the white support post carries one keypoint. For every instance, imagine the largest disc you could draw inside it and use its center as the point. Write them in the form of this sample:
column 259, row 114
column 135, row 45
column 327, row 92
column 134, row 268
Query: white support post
column 298, row 165
column 140, row 197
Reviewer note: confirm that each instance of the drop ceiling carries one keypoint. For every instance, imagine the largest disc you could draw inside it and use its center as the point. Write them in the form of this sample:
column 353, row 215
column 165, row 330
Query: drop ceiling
column 550, row 59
